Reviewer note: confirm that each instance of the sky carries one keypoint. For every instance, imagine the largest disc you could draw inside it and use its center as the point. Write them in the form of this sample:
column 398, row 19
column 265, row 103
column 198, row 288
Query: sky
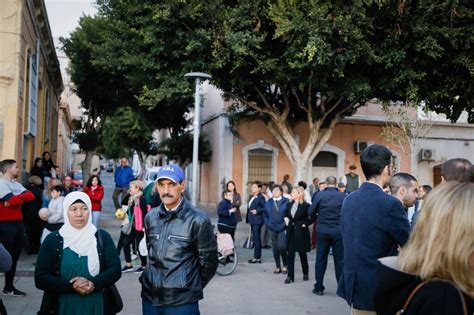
column 64, row 14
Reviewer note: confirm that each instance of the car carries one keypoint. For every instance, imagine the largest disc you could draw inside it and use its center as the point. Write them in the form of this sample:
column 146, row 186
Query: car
column 77, row 179
column 151, row 174
column 110, row 166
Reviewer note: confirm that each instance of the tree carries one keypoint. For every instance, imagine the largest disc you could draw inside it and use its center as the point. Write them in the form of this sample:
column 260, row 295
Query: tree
column 309, row 62
column 100, row 92
column 180, row 148
column 128, row 131
column 314, row 62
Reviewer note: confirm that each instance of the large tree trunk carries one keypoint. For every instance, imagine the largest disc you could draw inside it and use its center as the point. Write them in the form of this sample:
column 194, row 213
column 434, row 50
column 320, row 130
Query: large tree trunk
column 142, row 159
column 86, row 166
column 301, row 160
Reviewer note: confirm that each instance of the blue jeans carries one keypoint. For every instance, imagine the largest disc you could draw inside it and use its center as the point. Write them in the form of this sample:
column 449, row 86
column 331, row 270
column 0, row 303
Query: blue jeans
column 185, row 309
column 257, row 241
column 325, row 242
column 96, row 218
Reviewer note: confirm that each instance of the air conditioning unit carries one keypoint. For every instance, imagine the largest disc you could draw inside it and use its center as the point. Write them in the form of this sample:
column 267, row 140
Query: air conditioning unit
column 427, row 155
column 360, row 146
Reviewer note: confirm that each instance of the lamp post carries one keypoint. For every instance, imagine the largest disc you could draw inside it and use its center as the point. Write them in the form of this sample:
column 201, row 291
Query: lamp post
column 198, row 76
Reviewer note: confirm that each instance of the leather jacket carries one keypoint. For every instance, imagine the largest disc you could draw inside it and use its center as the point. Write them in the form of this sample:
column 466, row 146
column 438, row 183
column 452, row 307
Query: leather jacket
column 182, row 253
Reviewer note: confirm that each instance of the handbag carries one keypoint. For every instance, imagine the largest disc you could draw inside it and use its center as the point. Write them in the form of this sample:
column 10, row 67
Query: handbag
column 113, row 303
column 418, row 287
column 248, row 243
column 127, row 225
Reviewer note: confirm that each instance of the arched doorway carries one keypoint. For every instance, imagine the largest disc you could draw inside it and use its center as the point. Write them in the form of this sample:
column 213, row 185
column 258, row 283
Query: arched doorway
column 324, row 165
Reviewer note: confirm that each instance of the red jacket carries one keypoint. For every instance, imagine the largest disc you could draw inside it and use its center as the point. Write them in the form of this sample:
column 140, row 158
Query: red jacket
column 96, row 196
column 13, row 211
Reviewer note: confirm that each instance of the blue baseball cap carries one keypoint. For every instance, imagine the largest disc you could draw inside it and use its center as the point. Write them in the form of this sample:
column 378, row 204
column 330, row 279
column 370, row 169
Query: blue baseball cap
column 172, row 172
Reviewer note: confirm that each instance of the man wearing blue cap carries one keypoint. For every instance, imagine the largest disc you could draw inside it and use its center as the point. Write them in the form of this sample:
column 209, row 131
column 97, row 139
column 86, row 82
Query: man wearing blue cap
column 182, row 250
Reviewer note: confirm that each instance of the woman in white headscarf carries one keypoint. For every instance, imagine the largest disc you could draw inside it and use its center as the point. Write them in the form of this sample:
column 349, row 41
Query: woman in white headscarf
column 76, row 263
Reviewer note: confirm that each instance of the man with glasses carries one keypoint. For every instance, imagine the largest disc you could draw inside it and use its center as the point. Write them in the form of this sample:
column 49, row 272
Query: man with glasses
column 373, row 225
column 123, row 176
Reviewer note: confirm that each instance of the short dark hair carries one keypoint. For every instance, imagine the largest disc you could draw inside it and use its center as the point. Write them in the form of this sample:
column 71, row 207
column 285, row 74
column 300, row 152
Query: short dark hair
column 400, row 179
column 302, row 184
column 6, row 164
column 57, row 188
column 341, row 185
column 258, row 183
column 277, row 186
column 89, row 181
column 374, row 159
column 427, row 188
column 458, row 169
column 331, row 180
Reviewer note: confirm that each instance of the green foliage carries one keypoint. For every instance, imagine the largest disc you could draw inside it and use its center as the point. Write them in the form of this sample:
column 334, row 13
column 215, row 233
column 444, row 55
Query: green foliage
column 125, row 131
column 180, row 148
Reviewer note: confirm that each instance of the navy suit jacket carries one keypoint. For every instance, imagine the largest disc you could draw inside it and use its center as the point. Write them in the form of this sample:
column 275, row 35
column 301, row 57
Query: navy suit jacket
column 258, row 204
column 327, row 206
column 373, row 224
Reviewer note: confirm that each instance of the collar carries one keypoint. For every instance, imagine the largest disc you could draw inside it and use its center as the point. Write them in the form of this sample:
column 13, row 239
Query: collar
column 376, row 184
column 278, row 199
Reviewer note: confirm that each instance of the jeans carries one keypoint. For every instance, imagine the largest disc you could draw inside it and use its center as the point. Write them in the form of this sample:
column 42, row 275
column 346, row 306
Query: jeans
column 279, row 248
column 96, row 218
column 325, row 242
column 257, row 241
column 12, row 234
column 115, row 195
column 185, row 309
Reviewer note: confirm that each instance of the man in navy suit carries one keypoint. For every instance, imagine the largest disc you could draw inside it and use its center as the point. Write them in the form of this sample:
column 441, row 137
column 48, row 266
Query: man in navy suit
column 327, row 206
column 373, row 225
column 255, row 212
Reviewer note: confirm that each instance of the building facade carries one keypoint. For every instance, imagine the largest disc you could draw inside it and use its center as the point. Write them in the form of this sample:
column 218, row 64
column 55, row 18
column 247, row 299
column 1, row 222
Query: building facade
column 30, row 83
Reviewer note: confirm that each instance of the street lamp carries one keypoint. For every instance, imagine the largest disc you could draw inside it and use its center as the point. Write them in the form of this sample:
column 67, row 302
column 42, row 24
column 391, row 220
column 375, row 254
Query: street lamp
column 198, row 76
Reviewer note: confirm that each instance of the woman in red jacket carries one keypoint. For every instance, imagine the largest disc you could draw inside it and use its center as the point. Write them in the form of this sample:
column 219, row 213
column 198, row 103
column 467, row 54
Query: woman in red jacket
column 95, row 191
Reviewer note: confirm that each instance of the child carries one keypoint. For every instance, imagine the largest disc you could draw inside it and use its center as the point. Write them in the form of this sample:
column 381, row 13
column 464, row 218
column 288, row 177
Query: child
column 54, row 214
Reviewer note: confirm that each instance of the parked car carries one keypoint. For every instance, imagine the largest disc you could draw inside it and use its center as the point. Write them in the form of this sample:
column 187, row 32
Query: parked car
column 151, row 174
column 110, row 166
column 77, row 179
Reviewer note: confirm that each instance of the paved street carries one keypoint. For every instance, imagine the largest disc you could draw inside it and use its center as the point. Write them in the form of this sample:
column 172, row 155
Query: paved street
column 251, row 289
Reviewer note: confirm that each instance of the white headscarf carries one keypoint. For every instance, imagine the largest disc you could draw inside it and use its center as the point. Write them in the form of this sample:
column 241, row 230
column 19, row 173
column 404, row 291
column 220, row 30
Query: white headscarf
column 83, row 241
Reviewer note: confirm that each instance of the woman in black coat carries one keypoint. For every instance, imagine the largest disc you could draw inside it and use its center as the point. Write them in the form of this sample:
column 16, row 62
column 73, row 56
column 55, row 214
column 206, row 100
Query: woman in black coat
column 38, row 170
column 297, row 221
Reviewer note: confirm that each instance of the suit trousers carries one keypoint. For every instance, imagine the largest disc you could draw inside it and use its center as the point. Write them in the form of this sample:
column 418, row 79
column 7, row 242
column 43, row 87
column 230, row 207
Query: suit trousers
column 325, row 242
column 257, row 241
column 279, row 248
column 291, row 261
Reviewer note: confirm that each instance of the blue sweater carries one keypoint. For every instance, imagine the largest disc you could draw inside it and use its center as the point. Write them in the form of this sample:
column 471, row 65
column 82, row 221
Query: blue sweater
column 224, row 216
column 275, row 213
column 123, row 176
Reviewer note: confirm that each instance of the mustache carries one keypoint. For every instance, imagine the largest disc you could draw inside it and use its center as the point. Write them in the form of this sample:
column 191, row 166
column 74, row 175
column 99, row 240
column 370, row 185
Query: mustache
column 167, row 196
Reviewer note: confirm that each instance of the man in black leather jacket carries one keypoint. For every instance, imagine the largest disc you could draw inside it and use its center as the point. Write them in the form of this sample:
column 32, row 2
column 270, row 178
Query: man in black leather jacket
column 182, row 250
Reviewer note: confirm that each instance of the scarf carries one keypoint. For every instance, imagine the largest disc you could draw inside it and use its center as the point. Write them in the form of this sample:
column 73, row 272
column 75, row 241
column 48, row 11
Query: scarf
column 135, row 197
column 83, row 241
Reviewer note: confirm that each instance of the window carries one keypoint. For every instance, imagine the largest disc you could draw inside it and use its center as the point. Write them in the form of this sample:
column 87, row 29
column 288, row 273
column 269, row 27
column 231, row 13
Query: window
column 260, row 165
column 325, row 159
column 33, row 92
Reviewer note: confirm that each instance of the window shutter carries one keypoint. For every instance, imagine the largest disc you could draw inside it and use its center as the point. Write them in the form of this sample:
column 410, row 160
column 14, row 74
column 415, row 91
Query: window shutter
column 33, row 87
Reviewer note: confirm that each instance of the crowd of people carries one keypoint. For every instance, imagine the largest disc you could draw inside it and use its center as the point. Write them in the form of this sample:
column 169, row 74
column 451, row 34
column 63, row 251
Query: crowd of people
column 364, row 226
column 397, row 246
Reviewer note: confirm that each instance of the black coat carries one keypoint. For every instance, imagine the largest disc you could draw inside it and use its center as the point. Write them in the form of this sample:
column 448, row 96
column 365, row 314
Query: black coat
column 435, row 297
column 298, row 236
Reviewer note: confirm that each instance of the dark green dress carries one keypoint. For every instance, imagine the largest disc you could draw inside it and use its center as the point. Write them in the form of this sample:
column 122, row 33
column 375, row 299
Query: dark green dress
column 73, row 265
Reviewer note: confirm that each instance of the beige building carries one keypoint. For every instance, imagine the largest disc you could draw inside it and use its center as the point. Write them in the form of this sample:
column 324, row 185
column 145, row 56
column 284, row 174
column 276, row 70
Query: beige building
column 30, row 83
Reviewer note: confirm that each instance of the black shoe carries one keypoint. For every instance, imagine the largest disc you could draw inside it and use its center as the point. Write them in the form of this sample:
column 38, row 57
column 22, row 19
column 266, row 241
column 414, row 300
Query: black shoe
column 317, row 292
column 255, row 261
column 289, row 280
column 277, row 271
column 3, row 310
column 305, row 278
column 127, row 269
column 14, row 292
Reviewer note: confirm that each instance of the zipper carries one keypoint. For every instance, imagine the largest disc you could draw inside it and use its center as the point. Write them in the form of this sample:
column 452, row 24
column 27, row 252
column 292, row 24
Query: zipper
column 183, row 238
